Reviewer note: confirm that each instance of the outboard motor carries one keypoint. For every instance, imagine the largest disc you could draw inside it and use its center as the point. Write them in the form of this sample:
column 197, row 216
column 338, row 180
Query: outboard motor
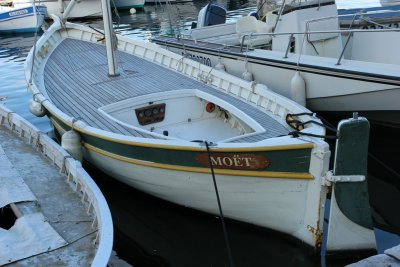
column 211, row 14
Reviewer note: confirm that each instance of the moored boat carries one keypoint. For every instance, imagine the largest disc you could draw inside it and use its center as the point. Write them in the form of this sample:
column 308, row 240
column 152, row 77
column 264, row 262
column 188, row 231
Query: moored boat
column 71, row 9
column 371, row 17
column 52, row 212
column 126, row 4
column 27, row 19
column 163, row 124
column 339, row 71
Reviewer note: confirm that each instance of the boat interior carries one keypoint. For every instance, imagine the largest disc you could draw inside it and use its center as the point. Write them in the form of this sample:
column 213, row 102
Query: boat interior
column 148, row 100
column 183, row 114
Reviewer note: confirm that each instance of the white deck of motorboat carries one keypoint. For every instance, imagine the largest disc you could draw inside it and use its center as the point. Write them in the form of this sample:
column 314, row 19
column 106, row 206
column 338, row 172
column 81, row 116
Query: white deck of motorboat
column 56, row 204
column 351, row 67
column 77, row 82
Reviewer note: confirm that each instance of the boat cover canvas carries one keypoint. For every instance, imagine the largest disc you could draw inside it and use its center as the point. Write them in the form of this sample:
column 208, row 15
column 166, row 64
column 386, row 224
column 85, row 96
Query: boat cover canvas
column 31, row 235
column 13, row 189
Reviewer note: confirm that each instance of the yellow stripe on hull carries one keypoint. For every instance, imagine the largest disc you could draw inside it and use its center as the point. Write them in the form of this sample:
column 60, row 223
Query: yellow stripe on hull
column 283, row 175
column 184, row 148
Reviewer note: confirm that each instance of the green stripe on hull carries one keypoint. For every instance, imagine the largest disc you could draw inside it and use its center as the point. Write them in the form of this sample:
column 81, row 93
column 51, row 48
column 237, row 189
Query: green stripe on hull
column 291, row 161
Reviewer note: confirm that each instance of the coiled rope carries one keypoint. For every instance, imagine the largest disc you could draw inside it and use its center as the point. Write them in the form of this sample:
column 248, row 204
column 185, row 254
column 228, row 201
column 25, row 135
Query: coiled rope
column 299, row 125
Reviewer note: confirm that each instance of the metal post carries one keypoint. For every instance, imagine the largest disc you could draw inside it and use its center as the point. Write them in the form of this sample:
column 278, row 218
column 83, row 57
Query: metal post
column 288, row 46
column 68, row 9
column 108, row 33
column 344, row 48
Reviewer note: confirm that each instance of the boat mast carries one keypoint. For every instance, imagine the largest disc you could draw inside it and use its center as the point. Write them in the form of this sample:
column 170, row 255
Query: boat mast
column 108, row 34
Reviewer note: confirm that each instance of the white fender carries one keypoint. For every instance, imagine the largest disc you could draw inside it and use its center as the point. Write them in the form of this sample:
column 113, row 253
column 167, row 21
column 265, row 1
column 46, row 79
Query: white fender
column 298, row 89
column 36, row 108
column 220, row 66
column 132, row 10
column 71, row 142
column 248, row 76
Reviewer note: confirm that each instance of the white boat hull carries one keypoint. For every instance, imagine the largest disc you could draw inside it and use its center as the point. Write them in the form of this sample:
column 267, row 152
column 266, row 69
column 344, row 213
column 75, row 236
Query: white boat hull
column 326, row 89
column 296, row 206
column 22, row 19
column 126, row 4
column 86, row 8
column 336, row 65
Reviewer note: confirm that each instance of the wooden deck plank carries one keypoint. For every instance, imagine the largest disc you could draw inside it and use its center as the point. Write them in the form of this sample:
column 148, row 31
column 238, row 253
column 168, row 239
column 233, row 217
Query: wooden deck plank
column 86, row 86
column 80, row 102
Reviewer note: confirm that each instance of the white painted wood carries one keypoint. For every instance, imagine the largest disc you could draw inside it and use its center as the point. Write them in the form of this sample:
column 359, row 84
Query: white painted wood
column 97, row 205
column 346, row 233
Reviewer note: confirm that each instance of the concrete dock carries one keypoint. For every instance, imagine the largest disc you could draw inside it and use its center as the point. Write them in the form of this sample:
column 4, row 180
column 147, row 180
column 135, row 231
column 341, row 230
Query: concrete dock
column 61, row 217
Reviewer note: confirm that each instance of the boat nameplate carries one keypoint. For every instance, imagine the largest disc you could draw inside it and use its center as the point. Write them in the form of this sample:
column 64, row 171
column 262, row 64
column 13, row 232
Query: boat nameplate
column 233, row 161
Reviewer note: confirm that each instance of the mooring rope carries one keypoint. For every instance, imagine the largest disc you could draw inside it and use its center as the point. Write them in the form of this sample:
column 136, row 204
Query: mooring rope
column 228, row 248
column 299, row 125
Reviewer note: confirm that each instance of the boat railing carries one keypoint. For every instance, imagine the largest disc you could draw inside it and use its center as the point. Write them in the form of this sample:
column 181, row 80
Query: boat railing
column 76, row 176
column 351, row 32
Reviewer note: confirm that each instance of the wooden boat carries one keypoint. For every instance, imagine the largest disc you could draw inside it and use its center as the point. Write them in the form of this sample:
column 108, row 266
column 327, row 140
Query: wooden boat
column 339, row 71
column 27, row 19
column 163, row 124
column 44, row 192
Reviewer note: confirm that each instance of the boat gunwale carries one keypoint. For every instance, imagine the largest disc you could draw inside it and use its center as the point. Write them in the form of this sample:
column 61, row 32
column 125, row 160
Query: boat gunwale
column 75, row 173
column 80, row 126
column 338, row 71
column 206, row 170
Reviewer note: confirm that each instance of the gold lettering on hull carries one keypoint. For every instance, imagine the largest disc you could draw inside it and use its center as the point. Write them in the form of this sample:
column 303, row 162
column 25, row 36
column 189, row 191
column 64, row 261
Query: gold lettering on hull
column 233, row 161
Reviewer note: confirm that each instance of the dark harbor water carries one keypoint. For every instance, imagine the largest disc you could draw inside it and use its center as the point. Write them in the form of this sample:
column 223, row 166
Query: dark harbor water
column 152, row 232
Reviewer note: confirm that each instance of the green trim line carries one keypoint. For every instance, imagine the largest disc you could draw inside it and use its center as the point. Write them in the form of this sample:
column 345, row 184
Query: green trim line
column 66, row 126
column 283, row 175
column 296, row 161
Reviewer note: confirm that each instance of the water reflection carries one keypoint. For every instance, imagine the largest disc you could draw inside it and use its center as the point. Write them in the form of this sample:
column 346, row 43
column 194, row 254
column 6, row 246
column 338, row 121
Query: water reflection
column 152, row 232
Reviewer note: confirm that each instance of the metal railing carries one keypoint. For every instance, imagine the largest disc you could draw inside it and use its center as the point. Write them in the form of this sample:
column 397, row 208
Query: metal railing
column 291, row 34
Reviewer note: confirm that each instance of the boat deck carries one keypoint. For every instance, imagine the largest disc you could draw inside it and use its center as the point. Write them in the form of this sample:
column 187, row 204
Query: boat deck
column 77, row 82
column 53, row 228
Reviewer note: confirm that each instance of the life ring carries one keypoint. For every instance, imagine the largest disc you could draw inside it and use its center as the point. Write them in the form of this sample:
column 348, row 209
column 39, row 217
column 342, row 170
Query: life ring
column 210, row 107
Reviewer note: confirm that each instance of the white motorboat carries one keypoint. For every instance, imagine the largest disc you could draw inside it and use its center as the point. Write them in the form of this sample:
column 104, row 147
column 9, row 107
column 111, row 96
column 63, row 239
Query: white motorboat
column 127, row 4
column 67, row 8
column 385, row 16
column 341, row 70
column 175, row 129
column 26, row 19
